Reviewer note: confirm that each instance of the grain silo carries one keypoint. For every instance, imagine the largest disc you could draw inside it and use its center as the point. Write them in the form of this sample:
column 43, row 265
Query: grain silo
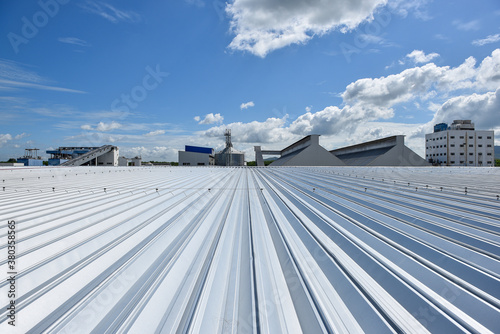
column 229, row 156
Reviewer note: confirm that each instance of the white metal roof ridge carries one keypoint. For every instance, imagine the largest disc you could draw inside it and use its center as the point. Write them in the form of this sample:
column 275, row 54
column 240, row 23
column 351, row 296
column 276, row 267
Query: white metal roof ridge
column 246, row 250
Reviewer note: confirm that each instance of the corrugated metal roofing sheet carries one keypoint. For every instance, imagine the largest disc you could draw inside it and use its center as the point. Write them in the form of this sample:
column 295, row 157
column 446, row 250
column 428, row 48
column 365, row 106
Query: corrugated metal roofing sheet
column 252, row 250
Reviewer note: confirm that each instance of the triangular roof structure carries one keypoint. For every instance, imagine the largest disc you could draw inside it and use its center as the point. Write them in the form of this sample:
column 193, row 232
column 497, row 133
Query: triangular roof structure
column 306, row 152
column 389, row 151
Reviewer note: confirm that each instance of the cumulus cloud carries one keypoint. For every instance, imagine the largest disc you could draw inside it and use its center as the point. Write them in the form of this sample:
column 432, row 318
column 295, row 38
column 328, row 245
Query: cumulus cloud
column 4, row 138
column 270, row 131
column 488, row 40
column 482, row 108
column 262, row 26
column 418, row 56
column 420, row 82
column 156, row 153
column 247, row 105
column 210, row 119
column 335, row 120
column 21, row 135
column 102, row 127
column 155, row 133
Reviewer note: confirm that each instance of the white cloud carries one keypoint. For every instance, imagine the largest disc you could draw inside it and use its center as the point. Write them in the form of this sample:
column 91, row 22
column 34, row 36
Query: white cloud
column 308, row 108
column 262, row 26
column 155, row 133
column 210, row 119
column 270, row 131
column 4, row 138
column 108, row 126
column 102, row 127
column 74, row 41
column 488, row 40
column 247, row 105
column 334, row 120
column 481, row 108
column 155, row 153
column 424, row 82
column 20, row 136
column 110, row 12
column 466, row 26
column 418, row 56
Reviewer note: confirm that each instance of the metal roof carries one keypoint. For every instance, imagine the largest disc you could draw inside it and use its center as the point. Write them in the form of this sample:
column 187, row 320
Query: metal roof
column 253, row 250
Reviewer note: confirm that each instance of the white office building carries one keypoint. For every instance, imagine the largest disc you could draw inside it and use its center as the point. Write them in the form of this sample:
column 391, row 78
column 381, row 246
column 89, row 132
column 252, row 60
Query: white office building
column 460, row 145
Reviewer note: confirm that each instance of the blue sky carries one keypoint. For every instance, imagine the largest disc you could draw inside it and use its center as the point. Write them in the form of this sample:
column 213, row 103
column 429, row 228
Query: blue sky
column 153, row 76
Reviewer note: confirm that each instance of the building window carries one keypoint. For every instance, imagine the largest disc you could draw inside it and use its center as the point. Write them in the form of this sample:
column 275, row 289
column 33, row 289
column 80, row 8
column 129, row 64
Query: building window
column 488, row 153
column 452, row 153
column 479, row 153
column 489, row 137
column 462, row 153
column 461, row 137
column 462, row 161
column 480, row 137
column 452, row 145
column 470, row 137
column 471, row 162
column 452, row 137
column 444, row 145
column 470, row 145
column 452, row 162
column 489, row 162
column 479, row 145
column 461, row 145
column 471, row 153
column 488, row 145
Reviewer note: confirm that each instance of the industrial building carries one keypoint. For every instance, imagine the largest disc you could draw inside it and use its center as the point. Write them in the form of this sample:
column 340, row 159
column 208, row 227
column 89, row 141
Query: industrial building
column 460, row 145
column 389, row 151
column 134, row 162
column 304, row 152
column 252, row 250
column 229, row 156
column 31, row 158
column 196, row 156
column 106, row 155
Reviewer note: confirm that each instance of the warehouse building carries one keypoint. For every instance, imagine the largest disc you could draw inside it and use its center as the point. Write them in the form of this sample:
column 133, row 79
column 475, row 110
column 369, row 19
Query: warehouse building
column 304, row 152
column 389, row 151
column 460, row 145
column 196, row 156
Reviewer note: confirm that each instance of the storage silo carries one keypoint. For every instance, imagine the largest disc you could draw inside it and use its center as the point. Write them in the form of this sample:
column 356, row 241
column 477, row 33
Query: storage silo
column 229, row 156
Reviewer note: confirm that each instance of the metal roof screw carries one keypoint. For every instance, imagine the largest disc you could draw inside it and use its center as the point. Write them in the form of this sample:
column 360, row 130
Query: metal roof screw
column 408, row 184
column 365, row 189
column 441, row 188
column 314, row 189
column 4, row 190
column 104, row 189
column 416, row 188
column 53, row 189
column 209, row 189
column 498, row 197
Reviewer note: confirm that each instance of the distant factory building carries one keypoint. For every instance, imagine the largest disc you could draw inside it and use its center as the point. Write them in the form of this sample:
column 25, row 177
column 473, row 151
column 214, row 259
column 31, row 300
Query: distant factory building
column 229, row 156
column 389, row 151
column 123, row 161
column 196, row 156
column 460, row 145
column 106, row 155
column 305, row 152
column 31, row 158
